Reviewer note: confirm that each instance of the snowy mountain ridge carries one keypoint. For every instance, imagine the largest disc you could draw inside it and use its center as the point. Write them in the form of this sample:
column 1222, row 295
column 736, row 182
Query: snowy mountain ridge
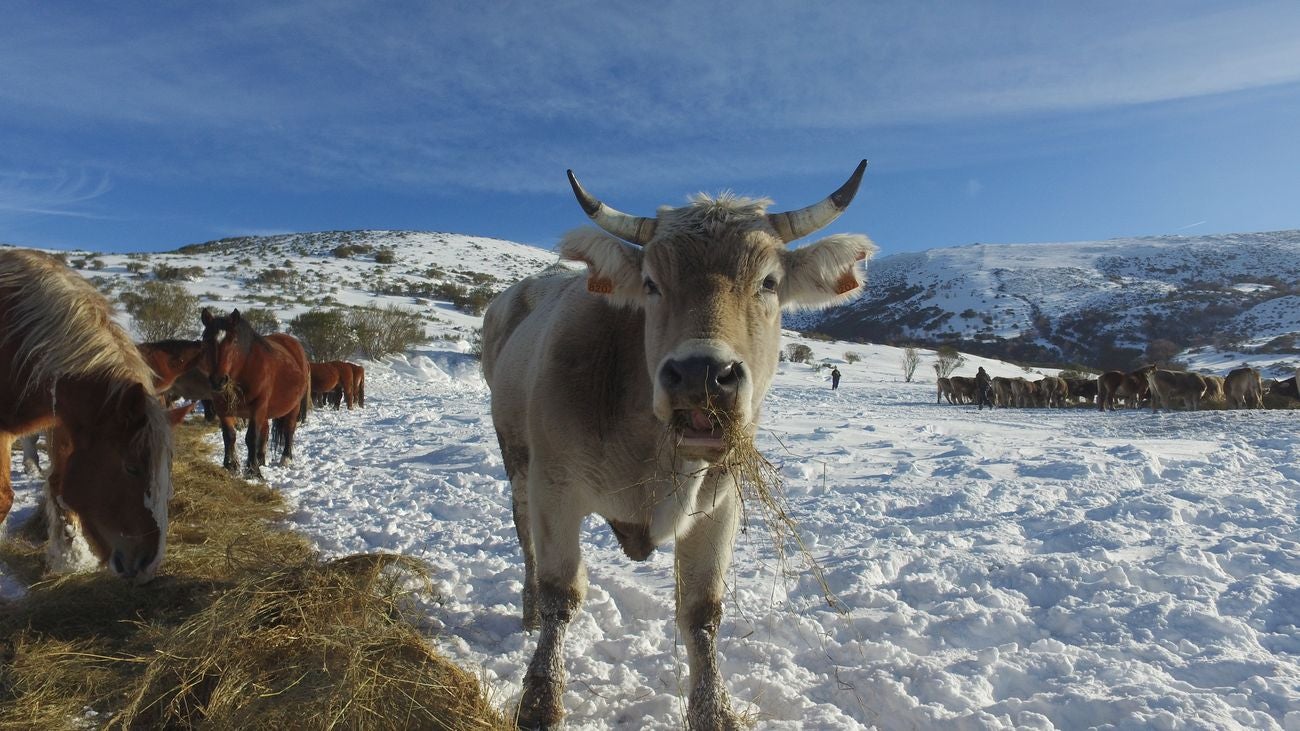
column 1093, row 302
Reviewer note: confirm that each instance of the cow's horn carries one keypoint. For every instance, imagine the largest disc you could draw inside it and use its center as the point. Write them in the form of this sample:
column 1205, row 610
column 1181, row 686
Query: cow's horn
column 633, row 229
column 793, row 225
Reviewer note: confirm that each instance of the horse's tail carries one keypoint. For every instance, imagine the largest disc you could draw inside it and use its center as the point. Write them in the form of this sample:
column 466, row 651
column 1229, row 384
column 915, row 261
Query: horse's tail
column 279, row 433
column 304, row 403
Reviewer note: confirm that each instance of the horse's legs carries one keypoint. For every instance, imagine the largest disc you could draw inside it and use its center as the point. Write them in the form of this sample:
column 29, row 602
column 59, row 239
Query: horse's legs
column 285, row 426
column 31, row 458
column 231, row 461
column 209, row 410
column 6, row 489
column 255, row 440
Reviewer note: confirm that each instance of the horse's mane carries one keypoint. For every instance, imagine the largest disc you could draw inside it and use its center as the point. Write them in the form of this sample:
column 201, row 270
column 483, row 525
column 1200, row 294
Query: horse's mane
column 60, row 325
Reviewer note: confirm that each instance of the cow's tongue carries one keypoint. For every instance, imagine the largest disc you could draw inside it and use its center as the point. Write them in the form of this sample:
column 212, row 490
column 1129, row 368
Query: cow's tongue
column 701, row 422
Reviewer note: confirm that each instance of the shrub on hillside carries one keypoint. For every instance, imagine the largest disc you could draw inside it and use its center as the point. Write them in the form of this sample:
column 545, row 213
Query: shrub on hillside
column 264, row 321
column 161, row 311
column 909, row 360
column 947, row 360
column 386, row 331
column 852, row 358
column 799, row 353
column 325, row 334
column 169, row 273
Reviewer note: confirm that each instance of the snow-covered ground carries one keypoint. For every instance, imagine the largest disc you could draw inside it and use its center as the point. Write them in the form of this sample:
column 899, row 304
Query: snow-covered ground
column 1025, row 569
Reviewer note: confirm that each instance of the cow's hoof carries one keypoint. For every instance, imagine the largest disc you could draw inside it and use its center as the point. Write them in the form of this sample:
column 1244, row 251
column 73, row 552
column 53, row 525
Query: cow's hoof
column 541, row 706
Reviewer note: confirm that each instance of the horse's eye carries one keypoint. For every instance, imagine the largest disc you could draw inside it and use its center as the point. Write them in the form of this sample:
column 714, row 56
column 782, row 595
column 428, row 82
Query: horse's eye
column 650, row 287
column 134, row 470
column 769, row 283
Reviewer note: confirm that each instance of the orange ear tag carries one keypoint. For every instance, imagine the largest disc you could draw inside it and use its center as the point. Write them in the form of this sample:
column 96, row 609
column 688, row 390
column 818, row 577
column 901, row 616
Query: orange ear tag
column 847, row 283
column 600, row 285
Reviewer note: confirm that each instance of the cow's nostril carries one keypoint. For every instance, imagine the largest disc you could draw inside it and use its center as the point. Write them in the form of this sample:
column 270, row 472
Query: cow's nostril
column 729, row 375
column 669, row 375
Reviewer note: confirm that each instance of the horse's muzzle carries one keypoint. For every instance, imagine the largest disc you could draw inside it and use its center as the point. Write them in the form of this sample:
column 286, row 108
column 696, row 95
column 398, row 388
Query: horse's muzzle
column 219, row 382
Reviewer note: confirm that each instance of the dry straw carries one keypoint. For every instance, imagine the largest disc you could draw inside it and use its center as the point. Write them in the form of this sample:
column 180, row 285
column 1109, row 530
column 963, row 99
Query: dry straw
column 245, row 627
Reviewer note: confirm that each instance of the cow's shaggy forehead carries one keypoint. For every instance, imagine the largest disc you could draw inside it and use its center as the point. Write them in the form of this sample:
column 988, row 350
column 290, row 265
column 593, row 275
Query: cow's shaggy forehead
column 727, row 234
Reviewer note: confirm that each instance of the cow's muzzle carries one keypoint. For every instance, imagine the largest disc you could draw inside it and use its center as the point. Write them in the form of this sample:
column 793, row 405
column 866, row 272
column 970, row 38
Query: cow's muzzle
column 703, row 392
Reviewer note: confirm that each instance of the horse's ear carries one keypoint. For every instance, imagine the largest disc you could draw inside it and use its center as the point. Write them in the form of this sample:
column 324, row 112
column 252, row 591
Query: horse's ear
column 177, row 415
column 131, row 407
column 206, row 317
column 234, row 317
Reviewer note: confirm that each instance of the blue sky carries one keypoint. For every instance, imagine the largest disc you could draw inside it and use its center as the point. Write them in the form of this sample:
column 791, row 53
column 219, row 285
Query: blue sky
column 143, row 126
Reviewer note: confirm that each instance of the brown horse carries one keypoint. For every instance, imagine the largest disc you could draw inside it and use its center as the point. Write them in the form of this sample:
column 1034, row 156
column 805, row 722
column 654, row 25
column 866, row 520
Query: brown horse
column 170, row 359
column 258, row 378
column 179, row 372
column 65, row 364
column 359, row 384
column 324, row 382
column 347, row 383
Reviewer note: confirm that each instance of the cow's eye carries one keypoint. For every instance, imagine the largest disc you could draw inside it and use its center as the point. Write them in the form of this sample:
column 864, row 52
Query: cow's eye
column 650, row 287
column 769, row 283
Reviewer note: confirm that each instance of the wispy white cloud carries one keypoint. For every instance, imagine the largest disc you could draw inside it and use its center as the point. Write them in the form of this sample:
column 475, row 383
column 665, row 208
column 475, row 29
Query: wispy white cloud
column 498, row 96
column 58, row 193
column 1192, row 225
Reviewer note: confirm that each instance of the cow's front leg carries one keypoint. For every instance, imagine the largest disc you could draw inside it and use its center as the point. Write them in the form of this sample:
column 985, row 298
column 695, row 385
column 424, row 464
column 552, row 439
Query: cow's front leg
column 561, row 587
column 703, row 555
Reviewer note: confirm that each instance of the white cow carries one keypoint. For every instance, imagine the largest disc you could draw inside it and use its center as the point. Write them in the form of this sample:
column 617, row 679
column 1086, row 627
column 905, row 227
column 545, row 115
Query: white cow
column 623, row 390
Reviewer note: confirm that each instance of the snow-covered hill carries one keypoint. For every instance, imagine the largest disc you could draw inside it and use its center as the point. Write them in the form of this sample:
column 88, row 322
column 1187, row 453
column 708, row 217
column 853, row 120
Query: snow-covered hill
column 292, row 273
column 1010, row 569
column 1097, row 303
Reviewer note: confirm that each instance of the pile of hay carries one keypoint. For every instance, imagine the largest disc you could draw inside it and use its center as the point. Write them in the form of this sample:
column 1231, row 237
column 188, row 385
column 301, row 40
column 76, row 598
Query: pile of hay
column 244, row 627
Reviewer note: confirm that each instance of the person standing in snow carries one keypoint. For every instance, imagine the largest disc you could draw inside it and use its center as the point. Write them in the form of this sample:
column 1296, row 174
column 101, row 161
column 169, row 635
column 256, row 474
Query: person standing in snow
column 835, row 377
column 983, row 389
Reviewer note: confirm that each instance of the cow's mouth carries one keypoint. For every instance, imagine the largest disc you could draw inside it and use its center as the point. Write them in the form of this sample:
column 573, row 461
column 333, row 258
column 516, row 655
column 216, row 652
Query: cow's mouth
column 699, row 430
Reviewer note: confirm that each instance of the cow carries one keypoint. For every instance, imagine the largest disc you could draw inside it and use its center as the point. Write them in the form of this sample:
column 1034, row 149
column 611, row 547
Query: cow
column 944, row 388
column 1243, row 389
column 1168, row 387
column 963, row 389
column 627, row 389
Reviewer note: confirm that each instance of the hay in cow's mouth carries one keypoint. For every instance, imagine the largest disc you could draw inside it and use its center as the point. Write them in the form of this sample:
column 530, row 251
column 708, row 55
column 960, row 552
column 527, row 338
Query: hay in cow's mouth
column 758, row 485
column 701, row 429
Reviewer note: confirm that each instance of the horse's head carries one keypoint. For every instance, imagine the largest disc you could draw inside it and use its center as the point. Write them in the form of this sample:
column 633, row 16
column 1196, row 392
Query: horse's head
column 221, row 348
column 113, row 455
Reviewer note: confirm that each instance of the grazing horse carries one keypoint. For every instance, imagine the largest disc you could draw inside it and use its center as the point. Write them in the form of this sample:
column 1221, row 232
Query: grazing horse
column 346, row 392
column 944, row 388
column 1169, row 387
column 259, row 378
column 359, row 384
column 65, row 364
column 352, row 380
column 324, row 382
column 1243, row 388
column 179, row 372
column 170, row 359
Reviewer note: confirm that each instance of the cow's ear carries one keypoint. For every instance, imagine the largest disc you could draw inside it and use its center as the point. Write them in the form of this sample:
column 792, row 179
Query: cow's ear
column 825, row 272
column 613, row 266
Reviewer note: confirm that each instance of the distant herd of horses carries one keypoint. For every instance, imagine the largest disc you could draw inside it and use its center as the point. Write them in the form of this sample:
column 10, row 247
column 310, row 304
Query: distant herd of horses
column 1242, row 388
column 69, row 371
